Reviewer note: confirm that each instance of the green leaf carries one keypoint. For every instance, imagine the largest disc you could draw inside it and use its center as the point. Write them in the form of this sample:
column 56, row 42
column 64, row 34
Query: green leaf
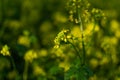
column 69, row 73
column 54, row 70
column 88, row 71
column 83, row 73
column 81, row 76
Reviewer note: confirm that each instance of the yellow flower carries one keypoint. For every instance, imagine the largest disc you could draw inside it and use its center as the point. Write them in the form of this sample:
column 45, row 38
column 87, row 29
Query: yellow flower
column 39, row 71
column 76, row 31
column 5, row 51
column 30, row 55
column 94, row 63
column 117, row 33
column 74, row 0
column 105, row 60
column 60, row 17
column 43, row 53
column 64, row 65
column 24, row 40
column 114, row 25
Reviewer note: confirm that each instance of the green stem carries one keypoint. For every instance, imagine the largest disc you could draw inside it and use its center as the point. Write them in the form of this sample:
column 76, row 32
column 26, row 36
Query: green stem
column 13, row 63
column 83, row 48
column 25, row 70
column 82, row 36
column 14, row 67
column 77, row 52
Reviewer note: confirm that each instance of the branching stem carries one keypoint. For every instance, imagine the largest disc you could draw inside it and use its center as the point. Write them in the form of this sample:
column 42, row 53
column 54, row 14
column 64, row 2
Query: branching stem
column 77, row 52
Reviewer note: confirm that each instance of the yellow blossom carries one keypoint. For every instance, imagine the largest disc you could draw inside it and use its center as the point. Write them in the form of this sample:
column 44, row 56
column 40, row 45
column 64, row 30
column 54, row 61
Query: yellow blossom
column 5, row 51
column 30, row 55
column 39, row 71
column 74, row 0
column 64, row 65
column 94, row 63
column 76, row 31
column 43, row 53
column 71, row 18
column 60, row 17
column 104, row 61
column 24, row 40
column 117, row 33
column 114, row 25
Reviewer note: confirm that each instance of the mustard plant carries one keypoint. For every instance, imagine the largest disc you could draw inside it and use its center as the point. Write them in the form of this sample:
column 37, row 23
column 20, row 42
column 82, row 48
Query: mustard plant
column 29, row 56
column 5, row 52
column 81, row 14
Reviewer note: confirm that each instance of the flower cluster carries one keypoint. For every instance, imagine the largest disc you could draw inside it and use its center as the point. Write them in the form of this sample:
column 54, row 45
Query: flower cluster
column 83, row 8
column 76, row 7
column 97, row 14
column 30, row 55
column 5, row 51
column 62, row 37
column 24, row 39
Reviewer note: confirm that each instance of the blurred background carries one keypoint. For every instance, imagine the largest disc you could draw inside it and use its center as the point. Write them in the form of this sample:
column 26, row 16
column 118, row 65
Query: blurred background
column 31, row 26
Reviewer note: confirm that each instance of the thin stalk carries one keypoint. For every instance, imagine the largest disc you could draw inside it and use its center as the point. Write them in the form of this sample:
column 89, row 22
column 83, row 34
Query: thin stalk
column 77, row 52
column 25, row 70
column 82, row 36
column 13, row 63
column 14, row 67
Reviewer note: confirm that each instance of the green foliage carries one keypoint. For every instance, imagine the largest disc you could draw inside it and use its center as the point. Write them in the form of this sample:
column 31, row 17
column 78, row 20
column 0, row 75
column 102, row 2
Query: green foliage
column 78, row 72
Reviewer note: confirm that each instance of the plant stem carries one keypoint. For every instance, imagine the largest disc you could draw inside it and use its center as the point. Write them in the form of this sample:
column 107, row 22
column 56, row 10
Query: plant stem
column 82, row 36
column 25, row 70
column 13, row 63
column 14, row 67
column 77, row 52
